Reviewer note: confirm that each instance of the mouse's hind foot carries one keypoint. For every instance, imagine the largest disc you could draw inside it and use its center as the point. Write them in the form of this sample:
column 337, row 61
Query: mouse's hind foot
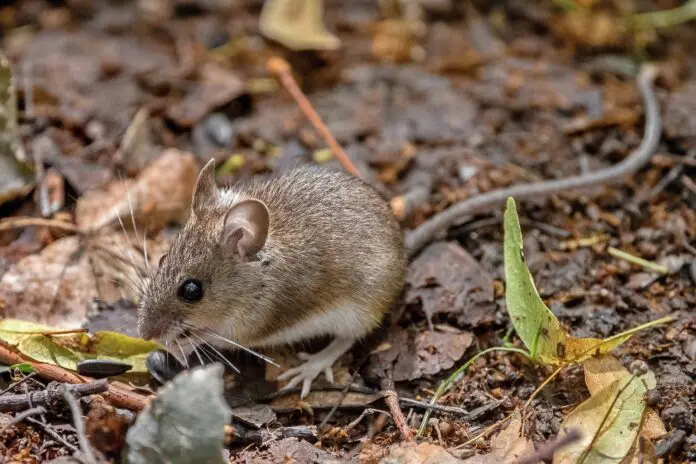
column 315, row 364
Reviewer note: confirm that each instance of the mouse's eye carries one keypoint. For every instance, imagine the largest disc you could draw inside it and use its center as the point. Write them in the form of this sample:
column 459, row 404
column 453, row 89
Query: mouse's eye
column 191, row 290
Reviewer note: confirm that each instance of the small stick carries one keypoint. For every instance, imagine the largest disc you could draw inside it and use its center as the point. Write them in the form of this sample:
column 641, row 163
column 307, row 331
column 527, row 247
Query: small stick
column 433, row 407
column 426, row 232
column 242, row 436
column 545, row 453
column 638, row 261
column 281, row 68
column 19, row 222
column 18, row 383
column 49, row 430
column 392, row 400
column 23, row 415
column 79, row 425
column 50, row 395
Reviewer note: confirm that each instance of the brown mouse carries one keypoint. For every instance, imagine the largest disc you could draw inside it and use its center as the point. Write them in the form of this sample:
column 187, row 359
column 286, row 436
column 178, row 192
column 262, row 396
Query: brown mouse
column 312, row 252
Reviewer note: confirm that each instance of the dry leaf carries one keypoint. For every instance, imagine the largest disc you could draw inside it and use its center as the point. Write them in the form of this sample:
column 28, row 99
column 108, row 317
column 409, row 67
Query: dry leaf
column 297, row 24
column 508, row 447
column 424, row 453
column 160, row 195
column 612, row 418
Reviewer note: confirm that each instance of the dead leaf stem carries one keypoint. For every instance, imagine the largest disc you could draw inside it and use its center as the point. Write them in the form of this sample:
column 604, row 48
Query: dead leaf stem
column 281, row 68
column 427, row 231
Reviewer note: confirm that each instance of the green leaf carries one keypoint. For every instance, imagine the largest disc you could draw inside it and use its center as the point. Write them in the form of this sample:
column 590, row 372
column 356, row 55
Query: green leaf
column 35, row 341
column 536, row 325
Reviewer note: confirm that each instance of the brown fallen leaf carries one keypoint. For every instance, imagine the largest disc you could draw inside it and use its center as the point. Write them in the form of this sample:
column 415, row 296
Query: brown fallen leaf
column 217, row 86
column 414, row 356
column 446, row 279
column 507, row 447
column 57, row 286
column 424, row 453
column 160, row 195
column 53, row 287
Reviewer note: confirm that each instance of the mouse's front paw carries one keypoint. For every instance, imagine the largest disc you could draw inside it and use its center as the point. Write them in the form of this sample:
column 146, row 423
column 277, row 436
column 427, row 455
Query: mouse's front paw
column 306, row 372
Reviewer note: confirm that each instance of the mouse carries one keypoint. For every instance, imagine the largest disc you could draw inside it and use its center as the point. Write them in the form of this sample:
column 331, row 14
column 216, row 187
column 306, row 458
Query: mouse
column 313, row 251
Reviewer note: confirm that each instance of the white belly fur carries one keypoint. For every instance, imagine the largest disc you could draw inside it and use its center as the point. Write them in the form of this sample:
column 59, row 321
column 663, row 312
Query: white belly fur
column 345, row 321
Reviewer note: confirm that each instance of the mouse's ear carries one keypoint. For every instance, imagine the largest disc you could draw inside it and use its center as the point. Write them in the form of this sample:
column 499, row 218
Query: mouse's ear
column 206, row 189
column 245, row 229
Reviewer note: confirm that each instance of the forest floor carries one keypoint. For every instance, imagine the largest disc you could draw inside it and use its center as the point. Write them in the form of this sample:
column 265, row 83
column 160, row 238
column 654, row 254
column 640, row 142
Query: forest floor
column 457, row 99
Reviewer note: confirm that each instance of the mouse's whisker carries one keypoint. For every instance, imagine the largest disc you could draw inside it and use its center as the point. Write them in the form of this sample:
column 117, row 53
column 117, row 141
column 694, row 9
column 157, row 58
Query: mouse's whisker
column 195, row 349
column 185, row 358
column 147, row 260
column 219, row 355
column 235, row 344
column 136, row 268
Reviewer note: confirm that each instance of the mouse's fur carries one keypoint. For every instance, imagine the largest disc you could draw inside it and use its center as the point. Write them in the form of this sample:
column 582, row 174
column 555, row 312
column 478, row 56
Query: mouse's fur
column 332, row 264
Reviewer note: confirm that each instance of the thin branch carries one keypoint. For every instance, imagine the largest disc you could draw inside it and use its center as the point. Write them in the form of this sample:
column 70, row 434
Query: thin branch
column 281, row 68
column 49, row 430
column 76, row 412
column 392, row 400
column 427, row 231
column 18, row 383
column 50, row 395
column 23, row 415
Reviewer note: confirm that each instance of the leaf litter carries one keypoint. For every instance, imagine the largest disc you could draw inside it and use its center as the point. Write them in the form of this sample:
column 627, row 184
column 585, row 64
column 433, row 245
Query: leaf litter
column 511, row 108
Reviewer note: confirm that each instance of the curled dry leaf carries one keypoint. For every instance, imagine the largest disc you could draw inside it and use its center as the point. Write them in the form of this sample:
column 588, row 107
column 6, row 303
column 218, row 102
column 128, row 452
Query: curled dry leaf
column 160, row 195
column 68, row 350
column 508, row 446
column 534, row 322
column 297, row 24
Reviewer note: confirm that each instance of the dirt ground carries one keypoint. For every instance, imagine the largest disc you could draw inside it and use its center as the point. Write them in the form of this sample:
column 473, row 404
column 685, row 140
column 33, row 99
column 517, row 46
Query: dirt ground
column 457, row 98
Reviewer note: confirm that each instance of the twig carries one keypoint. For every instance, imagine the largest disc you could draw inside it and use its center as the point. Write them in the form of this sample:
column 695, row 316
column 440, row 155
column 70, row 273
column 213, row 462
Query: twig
column 18, row 383
column 23, row 415
column 243, row 436
column 638, row 261
column 546, row 452
column 119, row 394
column 367, row 411
column 49, row 430
column 434, row 407
column 450, row 380
column 50, row 395
column 87, row 452
column 19, row 222
column 281, row 68
column 392, row 400
column 670, row 177
column 425, row 233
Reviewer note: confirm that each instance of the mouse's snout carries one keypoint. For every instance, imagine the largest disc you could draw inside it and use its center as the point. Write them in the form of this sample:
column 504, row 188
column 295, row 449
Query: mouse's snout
column 150, row 327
